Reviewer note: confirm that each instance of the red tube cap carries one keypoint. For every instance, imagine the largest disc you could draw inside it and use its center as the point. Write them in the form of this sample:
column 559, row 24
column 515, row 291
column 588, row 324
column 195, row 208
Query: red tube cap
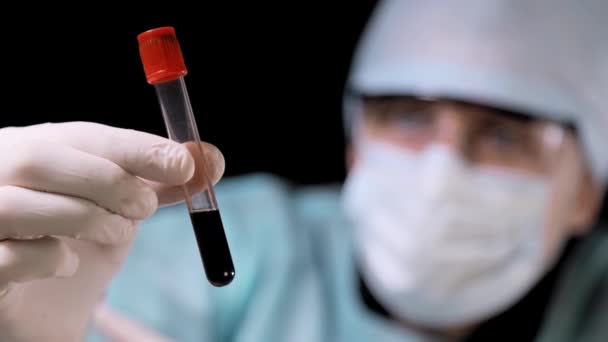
column 161, row 55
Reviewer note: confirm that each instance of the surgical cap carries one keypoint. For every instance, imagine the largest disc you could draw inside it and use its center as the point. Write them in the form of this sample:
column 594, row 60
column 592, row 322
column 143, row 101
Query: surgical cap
column 547, row 58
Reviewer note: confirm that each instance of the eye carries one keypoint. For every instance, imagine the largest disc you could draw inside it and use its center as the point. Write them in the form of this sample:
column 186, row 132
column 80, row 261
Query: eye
column 504, row 137
column 412, row 119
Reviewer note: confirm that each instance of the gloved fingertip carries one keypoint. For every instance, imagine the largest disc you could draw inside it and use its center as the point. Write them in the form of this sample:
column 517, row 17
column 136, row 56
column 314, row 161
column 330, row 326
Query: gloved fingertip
column 147, row 204
column 4, row 289
column 217, row 163
column 166, row 162
column 179, row 164
column 187, row 165
column 69, row 266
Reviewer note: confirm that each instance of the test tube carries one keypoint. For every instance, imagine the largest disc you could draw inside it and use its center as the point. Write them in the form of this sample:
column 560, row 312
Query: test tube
column 165, row 69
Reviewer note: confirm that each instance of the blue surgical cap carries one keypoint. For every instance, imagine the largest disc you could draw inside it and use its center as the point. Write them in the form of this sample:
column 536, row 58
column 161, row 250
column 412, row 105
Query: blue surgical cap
column 548, row 58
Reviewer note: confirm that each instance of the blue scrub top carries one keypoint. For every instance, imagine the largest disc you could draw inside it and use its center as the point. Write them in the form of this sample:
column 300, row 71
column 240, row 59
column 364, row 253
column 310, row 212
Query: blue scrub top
column 295, row 278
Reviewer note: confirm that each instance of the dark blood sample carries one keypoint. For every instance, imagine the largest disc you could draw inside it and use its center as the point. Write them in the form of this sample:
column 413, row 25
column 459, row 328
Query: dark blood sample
column 213, row 246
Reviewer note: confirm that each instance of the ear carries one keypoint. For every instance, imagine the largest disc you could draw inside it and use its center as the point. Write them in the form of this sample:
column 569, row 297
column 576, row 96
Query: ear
column 587, row 206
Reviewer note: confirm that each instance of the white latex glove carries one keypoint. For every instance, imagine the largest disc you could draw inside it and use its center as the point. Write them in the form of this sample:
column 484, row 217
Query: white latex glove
column 71, row 195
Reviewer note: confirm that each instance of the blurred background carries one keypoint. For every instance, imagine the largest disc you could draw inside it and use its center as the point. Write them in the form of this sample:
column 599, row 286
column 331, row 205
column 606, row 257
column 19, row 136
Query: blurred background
column 265, row 80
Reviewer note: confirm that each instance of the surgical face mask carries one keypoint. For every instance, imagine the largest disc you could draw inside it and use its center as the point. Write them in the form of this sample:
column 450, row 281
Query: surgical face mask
column 442, row 243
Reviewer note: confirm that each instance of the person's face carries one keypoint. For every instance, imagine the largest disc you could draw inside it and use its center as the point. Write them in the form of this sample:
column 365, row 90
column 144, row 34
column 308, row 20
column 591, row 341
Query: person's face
column 491, row 138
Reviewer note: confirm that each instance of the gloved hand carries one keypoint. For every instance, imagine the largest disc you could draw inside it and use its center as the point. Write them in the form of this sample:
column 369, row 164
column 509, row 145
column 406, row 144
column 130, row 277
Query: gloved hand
column 71, row 195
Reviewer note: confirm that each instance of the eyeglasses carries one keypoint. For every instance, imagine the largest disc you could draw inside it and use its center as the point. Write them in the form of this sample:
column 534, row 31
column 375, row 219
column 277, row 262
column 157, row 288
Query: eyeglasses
column 483, row 135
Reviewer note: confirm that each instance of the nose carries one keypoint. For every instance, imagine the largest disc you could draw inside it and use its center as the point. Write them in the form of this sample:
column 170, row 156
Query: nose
column 451, row 127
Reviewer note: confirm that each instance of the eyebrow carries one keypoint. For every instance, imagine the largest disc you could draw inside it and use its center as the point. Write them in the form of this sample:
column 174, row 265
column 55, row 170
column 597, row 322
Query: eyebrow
column 508, row 113
column 517, row 115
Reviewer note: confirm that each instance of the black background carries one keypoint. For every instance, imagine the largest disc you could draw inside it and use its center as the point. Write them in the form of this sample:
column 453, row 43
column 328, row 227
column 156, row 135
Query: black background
column 265, row 80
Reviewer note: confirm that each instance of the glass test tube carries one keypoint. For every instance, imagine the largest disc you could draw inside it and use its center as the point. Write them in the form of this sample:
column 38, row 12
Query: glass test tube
column 165, row 69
